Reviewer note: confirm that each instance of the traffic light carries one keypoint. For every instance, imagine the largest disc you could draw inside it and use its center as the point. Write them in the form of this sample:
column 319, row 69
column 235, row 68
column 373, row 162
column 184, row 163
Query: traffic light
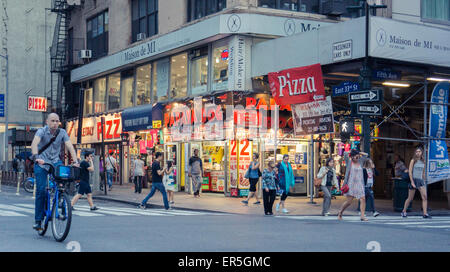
column 347, row 128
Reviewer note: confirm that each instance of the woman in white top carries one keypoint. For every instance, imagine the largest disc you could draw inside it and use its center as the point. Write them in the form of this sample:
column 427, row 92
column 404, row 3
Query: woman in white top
column 169, row 180
column 138, row 174
column 417, row 179
column 328, row 175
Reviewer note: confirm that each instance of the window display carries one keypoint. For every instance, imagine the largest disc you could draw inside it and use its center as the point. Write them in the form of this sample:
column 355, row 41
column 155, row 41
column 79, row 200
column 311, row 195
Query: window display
column 127, row 92
column 199, row 71
column 88, row 101
column 160, row 80
column 213, row 157
column 143, row 84
column 178, row 76
column 100, row 95
column 220, row 64
column 114, row 91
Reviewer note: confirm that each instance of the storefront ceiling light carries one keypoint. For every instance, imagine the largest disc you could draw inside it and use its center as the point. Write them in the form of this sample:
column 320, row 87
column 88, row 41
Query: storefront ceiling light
column 437, row 79
column 396, row 84
column 344, row 74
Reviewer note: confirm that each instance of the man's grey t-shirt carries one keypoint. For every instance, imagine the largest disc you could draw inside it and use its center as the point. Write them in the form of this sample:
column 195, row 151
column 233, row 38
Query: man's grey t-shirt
column 52, row 153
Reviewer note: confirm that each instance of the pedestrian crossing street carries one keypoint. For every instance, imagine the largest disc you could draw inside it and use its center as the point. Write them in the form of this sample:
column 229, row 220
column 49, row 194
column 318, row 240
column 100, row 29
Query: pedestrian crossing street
column 20, row 210
column 441, row 222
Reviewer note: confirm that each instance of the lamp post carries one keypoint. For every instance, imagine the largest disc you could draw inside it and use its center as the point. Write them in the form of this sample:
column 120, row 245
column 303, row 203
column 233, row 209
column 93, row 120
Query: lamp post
column 365, row 72
column 5, row 135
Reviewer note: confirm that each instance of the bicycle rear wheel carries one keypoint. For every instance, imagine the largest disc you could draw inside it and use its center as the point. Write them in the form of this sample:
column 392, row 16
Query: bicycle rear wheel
column 61, row 223
column 28, row 186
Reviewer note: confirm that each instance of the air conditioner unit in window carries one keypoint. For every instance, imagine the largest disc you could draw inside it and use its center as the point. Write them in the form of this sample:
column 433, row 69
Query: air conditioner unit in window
column 141, row 36
column 85, row 54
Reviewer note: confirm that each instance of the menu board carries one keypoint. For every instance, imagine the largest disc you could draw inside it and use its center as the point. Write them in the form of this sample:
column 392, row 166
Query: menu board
column 218, row 181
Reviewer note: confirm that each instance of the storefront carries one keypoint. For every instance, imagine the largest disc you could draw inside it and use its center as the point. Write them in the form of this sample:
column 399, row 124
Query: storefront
column 228, row 129
column 112, row 138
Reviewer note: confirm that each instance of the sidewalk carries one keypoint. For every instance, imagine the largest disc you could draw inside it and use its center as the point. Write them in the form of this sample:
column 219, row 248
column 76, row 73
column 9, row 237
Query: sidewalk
column 219, row 203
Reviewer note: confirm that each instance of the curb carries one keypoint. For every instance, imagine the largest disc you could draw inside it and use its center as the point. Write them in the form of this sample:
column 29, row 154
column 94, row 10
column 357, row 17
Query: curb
column 156, row 205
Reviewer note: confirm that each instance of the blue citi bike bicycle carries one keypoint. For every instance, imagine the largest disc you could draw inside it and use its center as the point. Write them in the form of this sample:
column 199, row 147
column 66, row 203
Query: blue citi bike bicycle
column 58, row 208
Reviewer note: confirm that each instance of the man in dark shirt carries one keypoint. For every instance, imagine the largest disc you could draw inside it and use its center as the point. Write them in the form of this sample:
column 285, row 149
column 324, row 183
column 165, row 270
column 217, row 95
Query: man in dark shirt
column 157, row 173
column 86, row 166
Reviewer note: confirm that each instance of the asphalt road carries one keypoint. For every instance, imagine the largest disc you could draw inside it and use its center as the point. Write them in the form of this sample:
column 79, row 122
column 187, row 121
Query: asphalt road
column 124, row 228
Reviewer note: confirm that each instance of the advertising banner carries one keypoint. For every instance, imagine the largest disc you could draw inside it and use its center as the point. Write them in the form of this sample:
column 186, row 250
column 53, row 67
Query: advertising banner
column 438, row 163
column 297, row 85
column 313, row 118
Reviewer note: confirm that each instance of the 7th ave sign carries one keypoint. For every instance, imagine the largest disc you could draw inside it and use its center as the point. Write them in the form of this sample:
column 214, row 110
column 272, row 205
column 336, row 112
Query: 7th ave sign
column 369, row 109
column 365, row 96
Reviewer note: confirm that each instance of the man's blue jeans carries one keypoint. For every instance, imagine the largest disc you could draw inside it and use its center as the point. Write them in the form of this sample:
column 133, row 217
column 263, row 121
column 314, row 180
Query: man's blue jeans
column 162, row 189
column 109, row 177
column 41, row 176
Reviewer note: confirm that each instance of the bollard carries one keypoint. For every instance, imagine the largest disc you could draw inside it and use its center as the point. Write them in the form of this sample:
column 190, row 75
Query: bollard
column 18, row 184
column 34, row 190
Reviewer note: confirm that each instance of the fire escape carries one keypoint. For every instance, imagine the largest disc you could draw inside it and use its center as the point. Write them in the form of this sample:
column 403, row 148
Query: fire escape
column 59, row 55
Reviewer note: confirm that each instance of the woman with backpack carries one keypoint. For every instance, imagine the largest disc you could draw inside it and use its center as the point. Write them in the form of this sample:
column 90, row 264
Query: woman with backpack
column 253, row 175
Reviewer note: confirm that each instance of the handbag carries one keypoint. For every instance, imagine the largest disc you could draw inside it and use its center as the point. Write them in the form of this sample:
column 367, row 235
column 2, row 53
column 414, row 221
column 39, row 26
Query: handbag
column 247, row 174
column 114, row 168
column 344, row 189
column 317, row 182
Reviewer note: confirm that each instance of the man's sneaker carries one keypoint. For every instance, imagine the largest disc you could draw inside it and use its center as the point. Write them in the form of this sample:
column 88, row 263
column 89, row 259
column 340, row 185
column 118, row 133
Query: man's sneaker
column 257, row 202
column 426, row 216
column 94, row 208
column 285, row 211
column 375, row 214
column 277, row 207
column 404, row 215
column 326, row 214
column 245, row 202
column 37, row 225
column 141, row 207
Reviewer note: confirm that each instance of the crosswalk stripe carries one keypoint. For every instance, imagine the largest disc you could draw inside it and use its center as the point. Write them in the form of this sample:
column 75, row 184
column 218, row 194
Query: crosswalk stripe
column 436, row 227
column 10, row 213
column 135, row 211
column 17, row 209
column 415, row 223
column 101, row 211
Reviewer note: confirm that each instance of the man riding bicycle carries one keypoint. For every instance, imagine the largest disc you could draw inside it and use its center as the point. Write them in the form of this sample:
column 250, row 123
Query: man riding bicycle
column 46, row 148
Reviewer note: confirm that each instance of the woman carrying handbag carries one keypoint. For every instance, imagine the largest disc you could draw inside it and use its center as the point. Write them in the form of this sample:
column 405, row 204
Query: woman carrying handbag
column 327, row 177
column 253, row 173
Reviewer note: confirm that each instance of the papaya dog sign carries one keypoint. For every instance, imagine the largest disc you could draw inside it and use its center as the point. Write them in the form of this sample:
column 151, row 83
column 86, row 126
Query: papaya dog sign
column 297, row 85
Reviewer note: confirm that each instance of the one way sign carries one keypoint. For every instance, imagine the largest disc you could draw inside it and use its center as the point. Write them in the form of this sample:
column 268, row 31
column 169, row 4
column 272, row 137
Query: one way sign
column 369, row 109
column 365, row 96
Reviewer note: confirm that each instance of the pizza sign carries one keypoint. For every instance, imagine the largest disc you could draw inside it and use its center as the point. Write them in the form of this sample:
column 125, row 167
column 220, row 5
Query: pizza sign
column 37, row 103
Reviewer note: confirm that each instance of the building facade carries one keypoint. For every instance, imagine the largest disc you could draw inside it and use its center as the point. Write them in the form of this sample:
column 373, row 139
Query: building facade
column 26, row 34
column 190, row 58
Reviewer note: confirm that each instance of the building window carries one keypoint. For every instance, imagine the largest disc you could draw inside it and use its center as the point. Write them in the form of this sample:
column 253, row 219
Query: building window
column 114, row 91
column 97, row 35
column 178, row 76
column 87, row 101
column 144, row 18
column 143, row 84
column 201, row 8
column 161, row 80
column 220, row 67
column 100, row 95
column 436, row 11
column 199, row 71
column 310, row 6
column 127, row 84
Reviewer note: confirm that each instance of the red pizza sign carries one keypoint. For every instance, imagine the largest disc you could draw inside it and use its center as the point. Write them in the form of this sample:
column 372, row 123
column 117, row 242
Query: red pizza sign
column 297, row 85
column 37, row 103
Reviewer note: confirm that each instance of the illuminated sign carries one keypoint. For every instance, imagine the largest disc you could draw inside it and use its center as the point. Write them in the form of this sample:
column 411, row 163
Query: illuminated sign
column 37, row 103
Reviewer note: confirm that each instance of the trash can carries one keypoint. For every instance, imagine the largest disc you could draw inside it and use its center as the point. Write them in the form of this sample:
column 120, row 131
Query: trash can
column 401, row 194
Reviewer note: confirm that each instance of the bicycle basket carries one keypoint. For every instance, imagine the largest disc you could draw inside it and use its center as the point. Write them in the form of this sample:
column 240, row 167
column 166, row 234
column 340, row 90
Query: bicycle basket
column 68, row 173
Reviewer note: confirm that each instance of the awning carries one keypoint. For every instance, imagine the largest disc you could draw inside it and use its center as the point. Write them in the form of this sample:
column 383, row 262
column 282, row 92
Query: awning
column 142, row 117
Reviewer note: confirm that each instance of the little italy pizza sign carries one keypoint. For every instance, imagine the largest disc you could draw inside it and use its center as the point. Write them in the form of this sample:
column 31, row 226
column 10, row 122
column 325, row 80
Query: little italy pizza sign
column 297, row 85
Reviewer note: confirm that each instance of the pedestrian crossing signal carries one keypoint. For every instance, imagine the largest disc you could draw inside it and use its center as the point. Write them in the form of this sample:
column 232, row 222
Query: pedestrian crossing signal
column 347, row 128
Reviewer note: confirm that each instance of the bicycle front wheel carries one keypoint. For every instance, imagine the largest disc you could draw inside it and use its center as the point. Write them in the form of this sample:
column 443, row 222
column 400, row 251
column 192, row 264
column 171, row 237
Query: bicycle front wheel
column 61, row 217
column 28, row 185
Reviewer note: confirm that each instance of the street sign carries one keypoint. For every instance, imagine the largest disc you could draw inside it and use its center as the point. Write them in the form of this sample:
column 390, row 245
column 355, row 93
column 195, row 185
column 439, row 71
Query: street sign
column 369, row 109
column 365, row 96
column 345, row 88
column 386, row 74
column 2, row 105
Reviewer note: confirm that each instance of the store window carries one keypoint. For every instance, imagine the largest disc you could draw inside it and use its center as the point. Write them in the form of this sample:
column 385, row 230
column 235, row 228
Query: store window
column 201, row 8
column 220, row 67
column 143, row 74
column 436, row 11
column 88, row 93
column 144, row 18
column 114, row 91
column 178, row 76
column 97, row 35
column 310, row 6
column 100, row 95
column 127, row 84
column 160, row 80
column 199, row 71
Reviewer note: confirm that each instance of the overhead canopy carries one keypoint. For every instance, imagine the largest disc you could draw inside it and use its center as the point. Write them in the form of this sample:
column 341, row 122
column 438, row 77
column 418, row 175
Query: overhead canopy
column 142, row 117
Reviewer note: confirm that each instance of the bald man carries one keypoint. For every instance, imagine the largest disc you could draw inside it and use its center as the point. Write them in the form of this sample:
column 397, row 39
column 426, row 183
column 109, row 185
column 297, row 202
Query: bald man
column 50, row 155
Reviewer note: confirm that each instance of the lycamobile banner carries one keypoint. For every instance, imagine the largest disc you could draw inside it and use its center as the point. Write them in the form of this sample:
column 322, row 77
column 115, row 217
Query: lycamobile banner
column 438, row 163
